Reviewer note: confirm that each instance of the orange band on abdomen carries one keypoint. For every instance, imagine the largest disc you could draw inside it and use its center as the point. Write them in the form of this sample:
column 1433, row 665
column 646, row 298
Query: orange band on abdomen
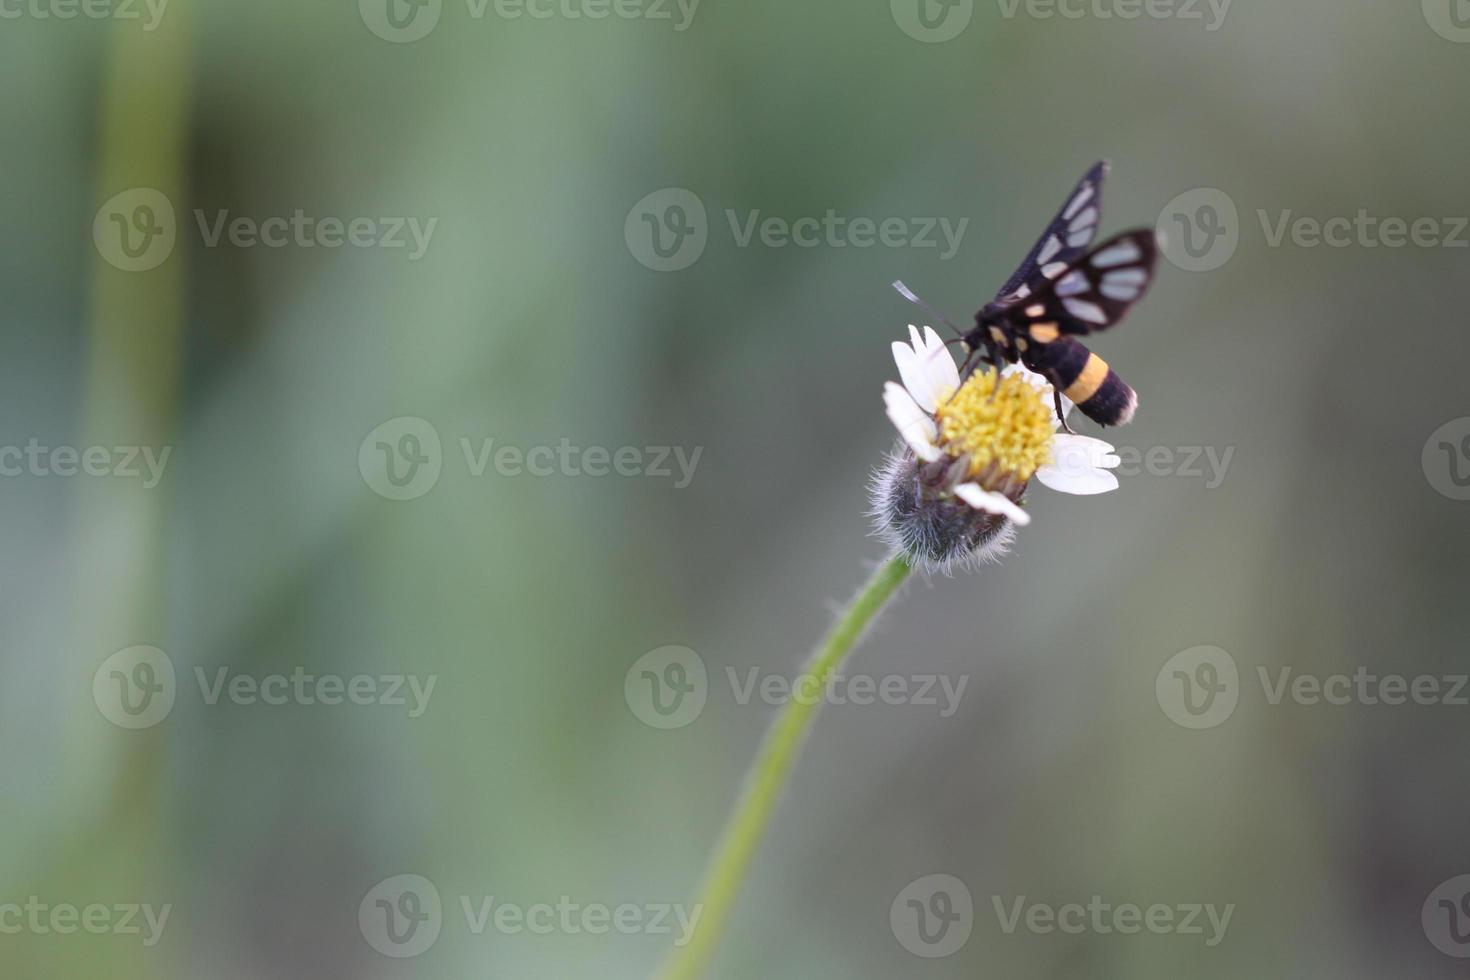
column 1094, row 373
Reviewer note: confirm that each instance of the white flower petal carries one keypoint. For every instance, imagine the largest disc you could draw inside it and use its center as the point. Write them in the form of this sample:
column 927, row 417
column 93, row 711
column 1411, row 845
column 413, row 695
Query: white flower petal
column 927, row 369
column 911, row 368
column 1080, row 466
column 916, row 338
column 1084, row 448
column 916, row 428
column 903, row 355
column 991, row 502
column 940, row 365
column 1081, row 483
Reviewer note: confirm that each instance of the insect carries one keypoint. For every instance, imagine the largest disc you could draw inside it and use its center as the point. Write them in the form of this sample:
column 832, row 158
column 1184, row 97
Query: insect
column 1063, row 291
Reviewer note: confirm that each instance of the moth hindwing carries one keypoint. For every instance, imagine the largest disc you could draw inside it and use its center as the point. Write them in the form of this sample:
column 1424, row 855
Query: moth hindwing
column 1095, row 293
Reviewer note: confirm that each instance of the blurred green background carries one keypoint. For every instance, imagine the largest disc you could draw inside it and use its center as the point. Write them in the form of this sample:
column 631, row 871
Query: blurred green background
column 1333, row 541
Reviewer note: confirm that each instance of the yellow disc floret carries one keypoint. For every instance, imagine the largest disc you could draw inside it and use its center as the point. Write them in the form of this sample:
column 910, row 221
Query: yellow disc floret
column 1009, row 433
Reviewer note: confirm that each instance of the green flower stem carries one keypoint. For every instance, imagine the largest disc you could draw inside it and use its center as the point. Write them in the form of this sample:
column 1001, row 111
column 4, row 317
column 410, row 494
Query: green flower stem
column 769, row 775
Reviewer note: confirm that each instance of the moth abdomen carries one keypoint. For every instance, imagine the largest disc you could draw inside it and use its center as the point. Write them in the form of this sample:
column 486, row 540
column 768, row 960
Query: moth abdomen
column 1086, row 380
column 1113, row 403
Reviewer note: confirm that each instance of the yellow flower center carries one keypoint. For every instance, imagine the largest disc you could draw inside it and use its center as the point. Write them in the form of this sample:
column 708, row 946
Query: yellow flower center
column 1009, row 434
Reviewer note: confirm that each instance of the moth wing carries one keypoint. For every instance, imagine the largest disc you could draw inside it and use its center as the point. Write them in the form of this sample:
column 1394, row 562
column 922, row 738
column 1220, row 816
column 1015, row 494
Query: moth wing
column 1065, row 240
column 1097, row 292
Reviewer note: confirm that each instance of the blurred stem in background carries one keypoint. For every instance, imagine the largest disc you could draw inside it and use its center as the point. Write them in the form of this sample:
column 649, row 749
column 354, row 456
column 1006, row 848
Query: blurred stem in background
column 771, row 771
column 135, row 336
column 134, row 343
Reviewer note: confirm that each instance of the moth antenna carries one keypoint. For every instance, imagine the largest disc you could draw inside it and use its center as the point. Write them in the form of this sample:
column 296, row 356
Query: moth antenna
column 912, row 297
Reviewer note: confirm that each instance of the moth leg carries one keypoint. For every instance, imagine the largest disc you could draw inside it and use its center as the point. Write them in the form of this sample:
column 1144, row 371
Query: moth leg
column 965, row 368
column 1061, row 415
column 997, row 361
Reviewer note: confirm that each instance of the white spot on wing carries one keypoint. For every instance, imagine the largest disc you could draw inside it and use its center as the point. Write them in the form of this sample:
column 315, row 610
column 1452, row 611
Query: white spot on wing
column 1083, row 196
column 1084, row 310
column 1050, row 249
column 1087, row 219
column 1055, row 269
column 1123, row 292
column 1072, row 284
column 1136, row 277
column 1120, row 254
column 1081, row 238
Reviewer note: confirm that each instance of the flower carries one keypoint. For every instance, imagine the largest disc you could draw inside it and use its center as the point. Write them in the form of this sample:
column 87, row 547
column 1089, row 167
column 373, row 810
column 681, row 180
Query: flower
column 970, row 449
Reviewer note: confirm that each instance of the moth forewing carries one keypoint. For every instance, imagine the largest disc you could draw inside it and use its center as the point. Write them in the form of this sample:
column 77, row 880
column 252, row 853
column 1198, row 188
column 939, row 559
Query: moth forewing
column 1065, row 239
column 1101, row 288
